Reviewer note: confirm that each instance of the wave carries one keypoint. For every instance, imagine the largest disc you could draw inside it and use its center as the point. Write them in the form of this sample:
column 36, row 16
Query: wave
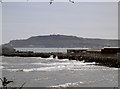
column 69, row 84
column 37, row 69
column 60, row 67
column 1, row 67
column 51, row 64
column 76, row 84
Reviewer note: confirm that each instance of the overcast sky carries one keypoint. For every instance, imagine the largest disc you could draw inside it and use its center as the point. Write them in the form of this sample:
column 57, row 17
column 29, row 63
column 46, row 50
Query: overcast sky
column 82, row 19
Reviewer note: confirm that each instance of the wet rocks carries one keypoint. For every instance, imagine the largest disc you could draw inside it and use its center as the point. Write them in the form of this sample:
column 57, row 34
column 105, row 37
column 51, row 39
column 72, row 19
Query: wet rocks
column 63, row 56
column 27, row 54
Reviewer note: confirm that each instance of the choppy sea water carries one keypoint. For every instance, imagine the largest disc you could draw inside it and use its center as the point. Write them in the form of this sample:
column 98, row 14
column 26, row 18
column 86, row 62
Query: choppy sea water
column 54, row 72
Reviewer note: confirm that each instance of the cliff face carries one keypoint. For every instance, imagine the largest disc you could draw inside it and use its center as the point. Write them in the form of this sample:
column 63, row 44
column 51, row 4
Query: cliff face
column 62, row 41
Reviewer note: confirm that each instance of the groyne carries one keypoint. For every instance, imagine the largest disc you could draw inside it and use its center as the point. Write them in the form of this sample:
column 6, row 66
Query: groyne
column 105, row 60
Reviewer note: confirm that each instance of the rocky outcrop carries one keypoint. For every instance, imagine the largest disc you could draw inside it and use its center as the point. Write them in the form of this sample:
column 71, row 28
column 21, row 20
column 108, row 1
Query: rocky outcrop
column 5, row 49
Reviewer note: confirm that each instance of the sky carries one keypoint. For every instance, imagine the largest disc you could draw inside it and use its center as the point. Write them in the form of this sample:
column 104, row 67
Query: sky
column 82, row 19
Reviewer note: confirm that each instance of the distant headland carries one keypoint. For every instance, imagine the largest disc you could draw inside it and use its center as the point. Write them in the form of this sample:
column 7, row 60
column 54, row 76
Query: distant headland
column 62, row 41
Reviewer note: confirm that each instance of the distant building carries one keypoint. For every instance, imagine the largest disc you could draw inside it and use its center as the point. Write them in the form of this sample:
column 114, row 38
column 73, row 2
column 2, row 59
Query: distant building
column 71, row 51
column 110, row 50
column 106, row 50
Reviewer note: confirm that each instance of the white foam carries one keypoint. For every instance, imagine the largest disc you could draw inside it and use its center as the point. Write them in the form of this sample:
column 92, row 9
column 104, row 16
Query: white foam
column 63, row 64
column 38, row 69
column 55, row 66
column 69, row 84
column 52, row 68
column 1, row 67
column 76, row 84
column 50, row 58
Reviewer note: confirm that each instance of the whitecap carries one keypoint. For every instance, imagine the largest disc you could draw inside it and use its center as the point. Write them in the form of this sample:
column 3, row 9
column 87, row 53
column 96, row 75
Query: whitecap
column 1, row 67
column 69, row 84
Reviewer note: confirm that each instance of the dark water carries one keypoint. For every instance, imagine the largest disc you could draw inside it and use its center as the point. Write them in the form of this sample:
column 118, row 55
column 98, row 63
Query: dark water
column 42, row 72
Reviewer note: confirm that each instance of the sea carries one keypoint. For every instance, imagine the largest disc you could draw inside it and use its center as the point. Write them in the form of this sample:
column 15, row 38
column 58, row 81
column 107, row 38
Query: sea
column 56, row 73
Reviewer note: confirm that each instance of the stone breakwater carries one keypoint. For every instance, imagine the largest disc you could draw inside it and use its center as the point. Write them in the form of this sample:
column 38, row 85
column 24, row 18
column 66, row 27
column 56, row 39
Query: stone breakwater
column 100, row 60
column 105, row 61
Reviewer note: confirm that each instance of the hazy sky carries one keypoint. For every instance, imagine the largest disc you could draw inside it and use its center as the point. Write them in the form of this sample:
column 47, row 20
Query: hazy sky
column 82, row 19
